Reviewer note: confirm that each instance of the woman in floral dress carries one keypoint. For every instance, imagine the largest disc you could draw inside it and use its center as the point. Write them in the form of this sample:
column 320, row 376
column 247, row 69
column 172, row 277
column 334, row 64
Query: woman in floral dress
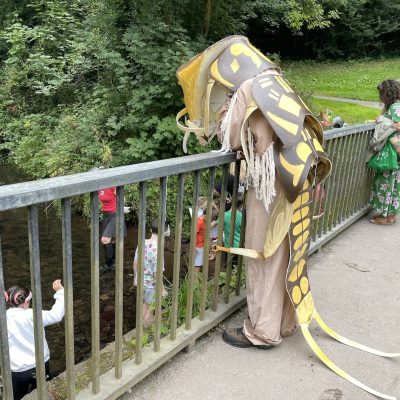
column 385, row 195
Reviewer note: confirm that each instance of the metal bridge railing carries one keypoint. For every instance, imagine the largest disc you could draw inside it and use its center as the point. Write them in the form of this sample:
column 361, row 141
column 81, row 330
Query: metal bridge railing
column 343, row 196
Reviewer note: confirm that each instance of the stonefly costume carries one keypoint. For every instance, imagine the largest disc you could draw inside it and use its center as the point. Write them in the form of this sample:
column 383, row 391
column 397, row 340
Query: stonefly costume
column 233, row 90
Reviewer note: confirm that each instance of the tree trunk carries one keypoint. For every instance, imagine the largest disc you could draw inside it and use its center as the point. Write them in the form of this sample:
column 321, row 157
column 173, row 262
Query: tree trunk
column 207, row 18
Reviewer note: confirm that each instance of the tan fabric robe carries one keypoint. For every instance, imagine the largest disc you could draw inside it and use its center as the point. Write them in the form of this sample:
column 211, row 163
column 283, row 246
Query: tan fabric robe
column 271, row 313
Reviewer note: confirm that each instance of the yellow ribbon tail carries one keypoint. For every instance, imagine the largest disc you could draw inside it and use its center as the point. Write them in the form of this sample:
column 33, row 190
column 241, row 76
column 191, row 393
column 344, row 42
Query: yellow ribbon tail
column 325, row 359
column 349, row 342
column 240, row 251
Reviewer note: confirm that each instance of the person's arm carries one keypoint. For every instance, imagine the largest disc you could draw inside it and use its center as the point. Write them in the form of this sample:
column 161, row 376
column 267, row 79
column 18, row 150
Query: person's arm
column 56, row 314
column 135, row 268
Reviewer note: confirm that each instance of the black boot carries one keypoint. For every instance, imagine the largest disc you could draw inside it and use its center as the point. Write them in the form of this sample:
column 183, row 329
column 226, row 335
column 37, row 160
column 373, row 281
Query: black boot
column 110, row 258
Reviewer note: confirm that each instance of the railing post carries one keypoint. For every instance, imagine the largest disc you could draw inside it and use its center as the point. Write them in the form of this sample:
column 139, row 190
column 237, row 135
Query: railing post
column 95, row 290
column 219, row 238
column 204, row 272
column 37, row 299
column 139, row 272
column 177, row 255
column 69, row 297
column 160, row 260
column 119, row 280
column 4, row 350
column 192, row 254
column 227, row 287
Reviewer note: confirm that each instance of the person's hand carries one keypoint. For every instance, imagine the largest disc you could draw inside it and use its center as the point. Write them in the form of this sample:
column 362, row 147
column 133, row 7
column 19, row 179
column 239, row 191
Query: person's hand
column 127, row 209
column 397, row 126
column 57, row 285
column 240, row 155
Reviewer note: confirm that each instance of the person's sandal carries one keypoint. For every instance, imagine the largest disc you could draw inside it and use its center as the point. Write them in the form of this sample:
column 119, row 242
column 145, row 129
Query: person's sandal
column 391, row 220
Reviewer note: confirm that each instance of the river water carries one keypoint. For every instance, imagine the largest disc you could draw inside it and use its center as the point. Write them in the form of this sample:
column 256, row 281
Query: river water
column 15, row 249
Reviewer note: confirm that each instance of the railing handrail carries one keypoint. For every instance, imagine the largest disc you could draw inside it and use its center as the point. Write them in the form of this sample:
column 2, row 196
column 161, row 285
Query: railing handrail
column 348, row 130
column 43, row 190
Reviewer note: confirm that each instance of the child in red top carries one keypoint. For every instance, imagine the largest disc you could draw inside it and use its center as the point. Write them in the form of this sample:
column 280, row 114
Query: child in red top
column 108, row 199
column 201, row 233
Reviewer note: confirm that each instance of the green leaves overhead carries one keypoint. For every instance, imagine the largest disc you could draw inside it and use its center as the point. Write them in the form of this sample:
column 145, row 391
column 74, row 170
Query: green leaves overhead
column 92, row 82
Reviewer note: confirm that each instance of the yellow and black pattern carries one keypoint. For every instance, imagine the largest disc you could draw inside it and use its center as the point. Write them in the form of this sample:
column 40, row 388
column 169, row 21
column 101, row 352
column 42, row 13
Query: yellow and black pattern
column 300, row 162
column 299, row 145
column 297, row 283
column 239, row 62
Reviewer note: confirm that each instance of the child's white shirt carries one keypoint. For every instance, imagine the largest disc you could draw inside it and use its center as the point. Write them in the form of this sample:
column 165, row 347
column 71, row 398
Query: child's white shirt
column 21, row 340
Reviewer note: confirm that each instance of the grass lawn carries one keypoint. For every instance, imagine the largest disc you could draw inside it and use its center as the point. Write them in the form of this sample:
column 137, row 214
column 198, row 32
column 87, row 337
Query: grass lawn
column 349, row 112
column 356, row 79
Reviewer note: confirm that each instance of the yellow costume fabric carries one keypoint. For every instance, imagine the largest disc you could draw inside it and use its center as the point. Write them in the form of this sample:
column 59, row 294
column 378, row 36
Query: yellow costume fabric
column 233, row 90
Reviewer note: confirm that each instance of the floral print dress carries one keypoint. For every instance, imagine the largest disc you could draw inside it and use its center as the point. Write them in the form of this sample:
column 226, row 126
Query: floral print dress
column 385, row 194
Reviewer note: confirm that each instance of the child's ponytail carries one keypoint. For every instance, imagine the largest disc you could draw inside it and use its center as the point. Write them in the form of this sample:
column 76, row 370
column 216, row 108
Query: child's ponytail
column 17, row 295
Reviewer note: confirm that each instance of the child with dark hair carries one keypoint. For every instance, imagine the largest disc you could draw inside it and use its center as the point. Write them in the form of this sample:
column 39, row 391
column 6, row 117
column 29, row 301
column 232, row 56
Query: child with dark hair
column 237, row 228
column 149, row 270
column 21, row 337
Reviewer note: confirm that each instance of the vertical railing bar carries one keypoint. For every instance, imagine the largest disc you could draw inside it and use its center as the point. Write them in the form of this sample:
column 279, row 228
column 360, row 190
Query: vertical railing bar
column 361, row 170
column 241, row 245
column 331, row 187
column 4, row 353
column 231, row 233
column 69, row 297
column 119, row 280
column 204, row 274
column 192, row 252
column 140, row 270
column 339, row 186
column 221, row 213
column 349, row 169
column 354, row 176
column 160, row 260
column 363, row 195
column 358, row 164
column 37, row 299
column 322, row 199
column 95, row 290
column 345, row 179
column 370, row 175
column 317, row 203
column 177, row 255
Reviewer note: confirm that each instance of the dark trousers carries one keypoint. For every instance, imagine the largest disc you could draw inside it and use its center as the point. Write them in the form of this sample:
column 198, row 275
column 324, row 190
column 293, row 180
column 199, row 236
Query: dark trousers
column 24, row 382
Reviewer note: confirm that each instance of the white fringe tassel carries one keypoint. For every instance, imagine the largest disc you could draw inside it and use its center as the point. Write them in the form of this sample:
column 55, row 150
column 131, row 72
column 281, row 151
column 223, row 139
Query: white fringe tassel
column 226, row 126
column 261, row 172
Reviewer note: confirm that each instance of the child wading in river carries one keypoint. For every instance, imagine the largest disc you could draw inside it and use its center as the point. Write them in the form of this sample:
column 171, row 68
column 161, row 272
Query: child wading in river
column 21, row 339
column 149, row 271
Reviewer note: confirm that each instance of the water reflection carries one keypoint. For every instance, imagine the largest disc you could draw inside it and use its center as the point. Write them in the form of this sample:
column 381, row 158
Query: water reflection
column 15, row 248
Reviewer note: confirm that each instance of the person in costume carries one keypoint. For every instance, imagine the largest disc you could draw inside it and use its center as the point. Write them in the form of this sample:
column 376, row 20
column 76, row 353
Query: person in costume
column 21, row 340
column 385, row 194
column 232, row 90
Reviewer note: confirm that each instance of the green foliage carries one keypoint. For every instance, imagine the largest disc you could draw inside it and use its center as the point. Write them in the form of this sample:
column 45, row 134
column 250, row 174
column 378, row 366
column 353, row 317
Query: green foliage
column 92, row 82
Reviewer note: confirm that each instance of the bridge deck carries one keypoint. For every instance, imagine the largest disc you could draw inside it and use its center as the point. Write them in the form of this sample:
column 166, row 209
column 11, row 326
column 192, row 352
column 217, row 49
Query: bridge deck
column 355, row 284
